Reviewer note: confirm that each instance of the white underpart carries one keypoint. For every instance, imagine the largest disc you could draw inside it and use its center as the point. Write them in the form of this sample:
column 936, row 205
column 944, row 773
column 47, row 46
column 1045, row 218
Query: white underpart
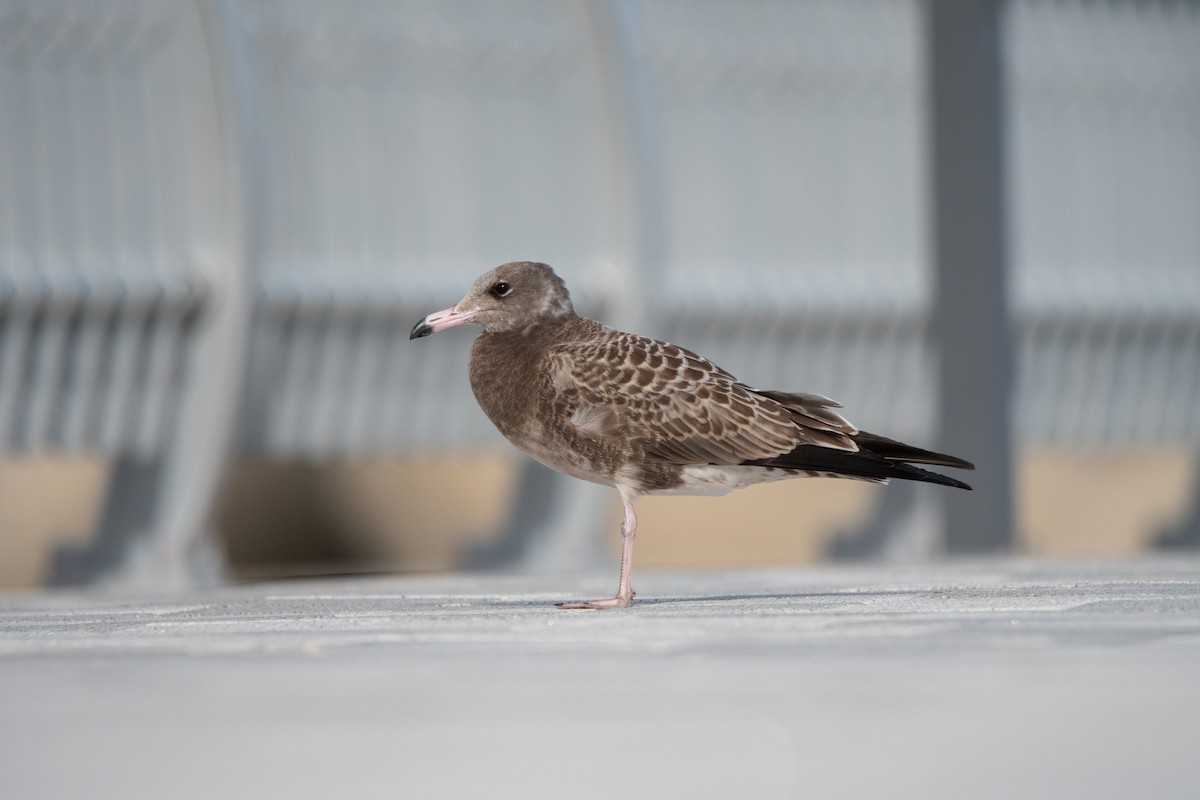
column 714, row 480
column 717, row 480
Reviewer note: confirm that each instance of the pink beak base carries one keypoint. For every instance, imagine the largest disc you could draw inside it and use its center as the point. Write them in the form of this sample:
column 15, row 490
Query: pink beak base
column 439, row 321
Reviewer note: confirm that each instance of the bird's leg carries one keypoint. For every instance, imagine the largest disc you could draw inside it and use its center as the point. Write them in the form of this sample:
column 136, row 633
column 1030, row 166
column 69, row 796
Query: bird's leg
column 625, row 592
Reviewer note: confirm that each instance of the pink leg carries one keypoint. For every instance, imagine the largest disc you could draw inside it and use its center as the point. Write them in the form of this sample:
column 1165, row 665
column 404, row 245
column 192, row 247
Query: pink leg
column 625, row 592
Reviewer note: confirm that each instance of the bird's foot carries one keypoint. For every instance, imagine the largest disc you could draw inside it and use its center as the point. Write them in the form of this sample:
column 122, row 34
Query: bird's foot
column 599, row 605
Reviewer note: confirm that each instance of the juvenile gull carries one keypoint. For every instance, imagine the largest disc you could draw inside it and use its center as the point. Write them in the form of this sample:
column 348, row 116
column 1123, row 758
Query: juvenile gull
column 644, row 416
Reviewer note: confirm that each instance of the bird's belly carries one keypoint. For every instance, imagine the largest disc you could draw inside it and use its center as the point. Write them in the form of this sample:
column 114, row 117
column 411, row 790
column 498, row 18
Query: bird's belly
column 567, row 460
column 715, row 480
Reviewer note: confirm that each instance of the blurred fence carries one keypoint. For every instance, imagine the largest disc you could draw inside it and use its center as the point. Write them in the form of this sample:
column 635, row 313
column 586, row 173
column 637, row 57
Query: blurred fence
column 123, row 307
column 1104, row 183
column 218, row 220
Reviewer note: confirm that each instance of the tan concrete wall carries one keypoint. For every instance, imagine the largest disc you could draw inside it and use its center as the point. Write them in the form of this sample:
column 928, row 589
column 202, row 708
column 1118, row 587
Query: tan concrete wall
column 280, row 519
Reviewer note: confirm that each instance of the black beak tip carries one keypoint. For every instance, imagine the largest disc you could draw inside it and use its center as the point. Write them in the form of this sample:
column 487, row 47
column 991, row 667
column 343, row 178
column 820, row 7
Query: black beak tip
column 420, row 330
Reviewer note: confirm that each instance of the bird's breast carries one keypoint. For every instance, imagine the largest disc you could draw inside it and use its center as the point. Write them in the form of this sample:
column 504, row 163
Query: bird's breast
column 502, row 381
column 545, row 419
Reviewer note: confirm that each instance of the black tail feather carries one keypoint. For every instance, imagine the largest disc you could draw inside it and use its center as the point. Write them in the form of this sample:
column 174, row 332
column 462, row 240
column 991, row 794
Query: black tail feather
column 893, row 450
column 869, row 463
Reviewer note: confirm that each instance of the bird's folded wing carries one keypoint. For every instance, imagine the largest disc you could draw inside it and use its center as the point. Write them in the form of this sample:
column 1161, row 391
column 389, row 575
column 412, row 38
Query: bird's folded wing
column 680, row 407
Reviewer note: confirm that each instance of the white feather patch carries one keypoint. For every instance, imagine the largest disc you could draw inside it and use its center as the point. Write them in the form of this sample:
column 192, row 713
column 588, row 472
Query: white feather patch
column 594, row 420
column 713, row 480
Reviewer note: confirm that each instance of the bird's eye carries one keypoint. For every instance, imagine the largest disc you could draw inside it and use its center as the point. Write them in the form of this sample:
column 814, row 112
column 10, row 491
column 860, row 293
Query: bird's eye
column 501, row 289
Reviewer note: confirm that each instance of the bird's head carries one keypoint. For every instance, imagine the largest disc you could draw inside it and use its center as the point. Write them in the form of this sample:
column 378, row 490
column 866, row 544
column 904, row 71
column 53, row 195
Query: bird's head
column 510, row 297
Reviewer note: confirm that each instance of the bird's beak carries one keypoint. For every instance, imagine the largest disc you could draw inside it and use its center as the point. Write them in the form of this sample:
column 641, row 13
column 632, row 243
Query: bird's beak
column 440, row 320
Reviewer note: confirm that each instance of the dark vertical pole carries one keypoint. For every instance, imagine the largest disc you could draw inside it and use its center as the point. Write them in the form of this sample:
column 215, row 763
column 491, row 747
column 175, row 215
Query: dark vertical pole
column 971, row 322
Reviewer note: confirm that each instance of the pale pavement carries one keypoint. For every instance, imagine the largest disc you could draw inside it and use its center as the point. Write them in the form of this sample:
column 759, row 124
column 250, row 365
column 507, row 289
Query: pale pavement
column 983, row 679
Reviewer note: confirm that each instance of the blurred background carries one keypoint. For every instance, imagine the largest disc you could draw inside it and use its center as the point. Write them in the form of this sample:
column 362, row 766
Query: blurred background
column 975, row 224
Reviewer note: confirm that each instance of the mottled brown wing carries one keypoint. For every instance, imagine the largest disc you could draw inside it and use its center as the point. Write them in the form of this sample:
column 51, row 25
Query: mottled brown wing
column 680, row 407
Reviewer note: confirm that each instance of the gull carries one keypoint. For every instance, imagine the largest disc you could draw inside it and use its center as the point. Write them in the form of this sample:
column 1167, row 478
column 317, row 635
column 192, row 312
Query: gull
column 645, row 416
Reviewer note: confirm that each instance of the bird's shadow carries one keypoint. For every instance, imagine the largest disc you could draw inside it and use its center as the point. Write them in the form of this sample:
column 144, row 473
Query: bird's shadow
column 777, row 596
column 725, row 598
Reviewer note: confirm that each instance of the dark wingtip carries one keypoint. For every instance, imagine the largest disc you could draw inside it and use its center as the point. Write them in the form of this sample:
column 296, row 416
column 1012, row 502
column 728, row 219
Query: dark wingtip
column 932, row 477
column 863, row 464
column 420, row 330
column 893, row 450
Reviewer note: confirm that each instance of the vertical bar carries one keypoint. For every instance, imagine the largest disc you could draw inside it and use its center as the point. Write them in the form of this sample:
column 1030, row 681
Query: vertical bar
column 971, row 319
column 309, row 338
column 362, row 381
column 17, row 326
column 82, row 392
column 327, row 408
column 122, row 371
column 166, row 331
column 46, row 379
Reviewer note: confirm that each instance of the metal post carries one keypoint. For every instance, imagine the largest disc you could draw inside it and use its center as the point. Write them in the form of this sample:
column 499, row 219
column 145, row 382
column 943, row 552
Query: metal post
column 971, row 320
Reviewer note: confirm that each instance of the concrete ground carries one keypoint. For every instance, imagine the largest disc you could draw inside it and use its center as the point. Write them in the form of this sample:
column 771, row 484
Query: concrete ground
column 985, row 679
